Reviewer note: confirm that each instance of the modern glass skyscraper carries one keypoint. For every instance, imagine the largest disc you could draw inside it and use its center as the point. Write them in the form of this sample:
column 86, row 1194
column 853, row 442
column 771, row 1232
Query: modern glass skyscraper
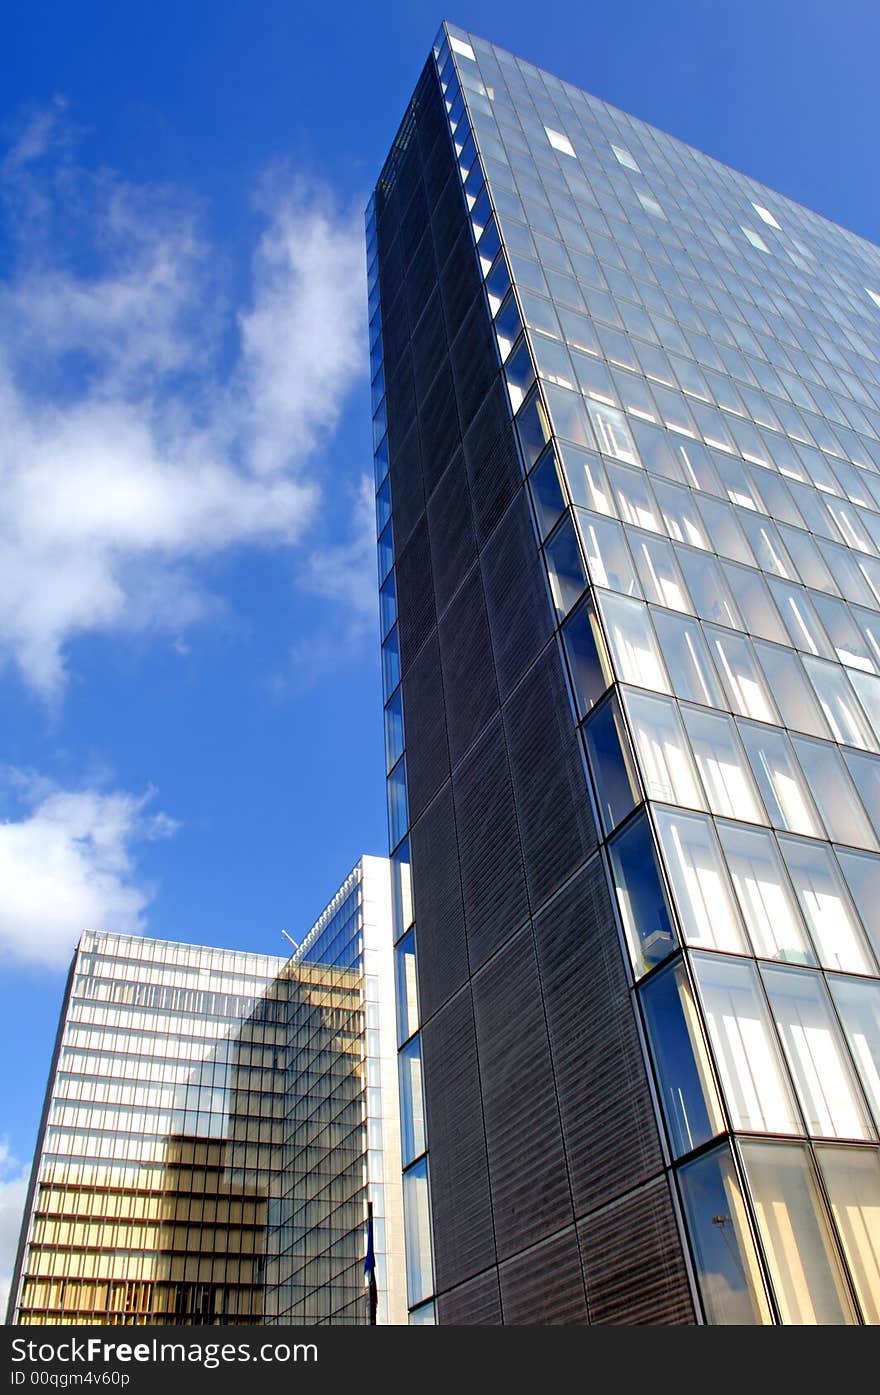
column 214, row 1129
column 627, row 434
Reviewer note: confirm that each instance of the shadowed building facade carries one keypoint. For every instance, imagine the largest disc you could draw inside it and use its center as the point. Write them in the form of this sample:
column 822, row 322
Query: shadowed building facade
column 627, row 449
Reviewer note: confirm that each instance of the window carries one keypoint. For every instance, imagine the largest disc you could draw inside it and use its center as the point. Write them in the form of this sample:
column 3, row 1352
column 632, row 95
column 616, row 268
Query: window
column 839, row 805
column 587, row 481
column 663, row 751
column 816, row 1055
column 565, row 567
column 708, row 587
column 722, row 765
column 687, row 659
column 629, row 162
column 845, row 718
column 765, row 896
column 417, row 1233
column 803, row 1265
column 780, row 781
column 393, row 730
column 559, row 141
column 412, row 1108
column 794, row 696
column 755, row 1086
column 680, row 514
column 742, row 678
column 754, row 602
column 826, row 907
column 631, row 638
column 462, row 48
column 858, row 1002
column 756, row 239
column 800, row 619
column 687, row 1090
column 635, row 501
column 612, row 432
column 397, row 812
column 401, row 888
column 645, row 914
column 587, row 660
column 852, row 1180
column 659, row 572
column 765, row 215
column 608, row 558
column 706, row 906
column 406, row 986
column 862, row 873
column 617, row 787
column 547, row 493
column 727, row 1265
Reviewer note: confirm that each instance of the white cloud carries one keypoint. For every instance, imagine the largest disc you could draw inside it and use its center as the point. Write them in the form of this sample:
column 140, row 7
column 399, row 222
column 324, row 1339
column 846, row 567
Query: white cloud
column 13, row 1191
column 145, row 424
column 341, row 576
column 68, row 863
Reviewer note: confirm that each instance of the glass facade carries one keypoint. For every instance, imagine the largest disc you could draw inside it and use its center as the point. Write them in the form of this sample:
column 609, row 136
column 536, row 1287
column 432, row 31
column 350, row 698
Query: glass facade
column 690, row 367
column 215, row 1125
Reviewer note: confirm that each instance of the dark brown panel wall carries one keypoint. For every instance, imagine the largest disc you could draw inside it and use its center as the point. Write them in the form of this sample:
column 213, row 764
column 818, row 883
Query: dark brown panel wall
column 549, row 1204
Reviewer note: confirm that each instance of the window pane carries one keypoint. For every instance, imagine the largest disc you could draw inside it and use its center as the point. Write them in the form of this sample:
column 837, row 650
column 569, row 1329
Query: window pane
column 680, row 514
column 547, row 493
column 412, row 1108
column 687, row 659
column 687, row 1089
column 394, row 730
column 839, row 805
column 417, row 1232
column 587, row 660
column 646, row 920
column 826, row 907
column 780, row 780
column 702, row 892
column 708, row 588
column 633, row 645
column 662, row 747
column 852, row 1179
column 755, row 602
column 406, row 986
column 401, row 889
column 659, row 572
column 865, row 772
column 612, row 432
column 800, row 619
column 815, row 1054
column 397, row 814
column 858, row 1002
column 755, row 1086
column 565, row 567
column 727, row 1266
column 587, row 481
column 722, row 765
column 793, row 694
column 862, row 873
column 803, row 1265
column 742, row 678
column 839, row 704
column 617, row 788
column 607, row 554
column 635, row 501
column 765, row 897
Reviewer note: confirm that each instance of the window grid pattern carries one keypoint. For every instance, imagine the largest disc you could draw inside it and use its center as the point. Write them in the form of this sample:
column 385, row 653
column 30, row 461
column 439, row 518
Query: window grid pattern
column 697, row 403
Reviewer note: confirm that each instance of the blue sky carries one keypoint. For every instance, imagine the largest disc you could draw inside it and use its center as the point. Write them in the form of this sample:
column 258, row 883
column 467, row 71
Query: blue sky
column 191, row 742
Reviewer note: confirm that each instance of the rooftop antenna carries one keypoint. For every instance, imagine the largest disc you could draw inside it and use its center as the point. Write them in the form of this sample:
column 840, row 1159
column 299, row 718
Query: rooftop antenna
column 290, row 937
